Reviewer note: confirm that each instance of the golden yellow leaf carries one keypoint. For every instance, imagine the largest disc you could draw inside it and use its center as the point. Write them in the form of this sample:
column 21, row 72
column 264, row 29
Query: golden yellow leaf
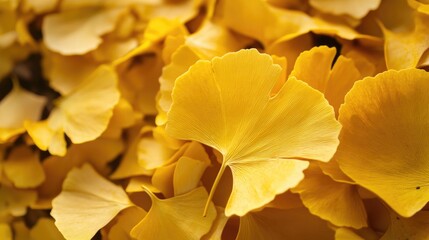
column 314, row 67
column 87, row 203
column 187, row 174
column 184, row 171
column 135, row 184
column 123, row 117
column 176, row 218
column 349, row 7
column 5, row 231
column 98, row 153
column 338, row 203
column 404, row 49
column 225, row 103
column 15, row 201
column 218, row 226
column 271, row 223
column 382, row 147
column 40, row 7
column 129, row 165
column 77, row 32
column 358, row 234
column 19, row 106
column 21, row 231
column 152, row 154
column 23, row 168
column 414, row 228
column 125, row 221
column 45, row 229
column 264, row 22
column 83, row 114
column 61, row 71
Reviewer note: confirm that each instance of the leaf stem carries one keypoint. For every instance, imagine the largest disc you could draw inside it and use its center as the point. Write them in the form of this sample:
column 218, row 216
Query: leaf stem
column 213, row 189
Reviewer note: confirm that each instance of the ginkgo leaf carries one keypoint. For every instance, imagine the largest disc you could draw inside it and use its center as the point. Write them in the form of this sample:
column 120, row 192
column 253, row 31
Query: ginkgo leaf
column 76, row 32
column 15, row 201
column 45, row 230
column 210, row 40
column 408, row 228
column 385, row 127
column 23, row 168
column 135, row 184
column 349, row 7
column 5, row 231
column 272, row 223
column 404, row 49
column 40, row 7
column 225, row 103
column 61, row 71
column 176, row 218
column 87, row 203
column 152, row 154
column 19, row 105
column 98, row 153
column 125, row 222
column 352, row 234
column 21, row 231
column 124, row 116
column 218, row 226
column 187, row 174
column 316, row 67
column 338, row 203
column 83, row 114
column 264, row 22
column 129, row 165
column 183, row 174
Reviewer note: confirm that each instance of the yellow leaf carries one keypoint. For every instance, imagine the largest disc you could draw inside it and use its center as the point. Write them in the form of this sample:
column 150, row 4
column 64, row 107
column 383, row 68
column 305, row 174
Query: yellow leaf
column 45, row 229
column 414, row 228
column 61, row 71
column 404, row 49
column 218, row 226
column 19, row 106
column 125, row 221
column 225, row 103
column 152, row 154
column 214, row 39
column 349, row 7
column 271, row 223
column 187, row 174
column 15, row 201
column 349, row 234
column 385, row 126
column 175, row 178
column 123, row 117
column 262, row 21
column 333, row 170
column 135, row 185
column 21, row 231
column 181, row 60
column 23, row 168
column 314, row 67
column 129, row 165
column 77, row 32
column 98, row 153
column 40, row 7
column 176, row 218
column 321, row 194
column 356, row 234
column 5, row 231
column 87, row 203
column 83, row 114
